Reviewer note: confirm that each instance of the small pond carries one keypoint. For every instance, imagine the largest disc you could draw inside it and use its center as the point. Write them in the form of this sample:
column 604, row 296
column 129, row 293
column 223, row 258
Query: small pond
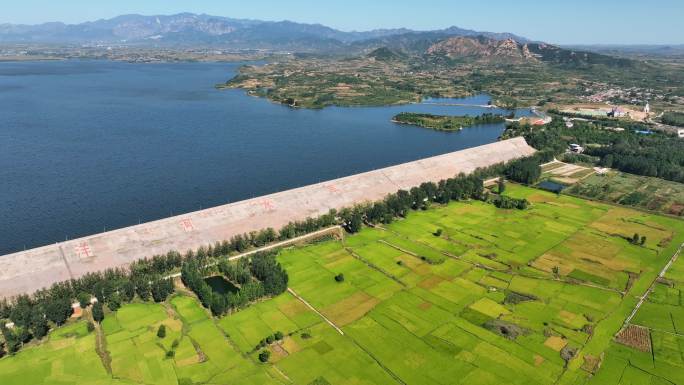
column 551, row 186
column 220, row 285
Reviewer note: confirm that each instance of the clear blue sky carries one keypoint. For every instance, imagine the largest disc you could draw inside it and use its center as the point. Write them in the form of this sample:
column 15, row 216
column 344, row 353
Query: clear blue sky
column 562, row 22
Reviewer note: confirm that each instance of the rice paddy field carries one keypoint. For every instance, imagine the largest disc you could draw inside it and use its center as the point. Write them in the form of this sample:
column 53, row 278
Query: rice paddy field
column 536, row 296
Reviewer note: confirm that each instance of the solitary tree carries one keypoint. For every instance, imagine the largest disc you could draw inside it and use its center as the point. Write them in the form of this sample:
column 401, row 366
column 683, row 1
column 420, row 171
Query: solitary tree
column 643, row 240
column 264, row 356
column 556, row 271
column 161, row 332
column 635, row 238
column 339, row 277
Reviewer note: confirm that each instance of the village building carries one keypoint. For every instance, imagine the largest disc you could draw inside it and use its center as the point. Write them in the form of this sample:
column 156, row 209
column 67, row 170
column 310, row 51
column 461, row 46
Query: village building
column 601, row 170
column 617, row 112
column 77, row 310
column 576, row 148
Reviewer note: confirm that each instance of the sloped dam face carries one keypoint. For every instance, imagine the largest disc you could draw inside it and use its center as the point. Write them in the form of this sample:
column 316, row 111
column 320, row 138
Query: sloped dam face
column 30, row 270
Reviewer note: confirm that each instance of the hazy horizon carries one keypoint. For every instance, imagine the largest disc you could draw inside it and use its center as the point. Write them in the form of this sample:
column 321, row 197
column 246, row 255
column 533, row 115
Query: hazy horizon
column 606, row 22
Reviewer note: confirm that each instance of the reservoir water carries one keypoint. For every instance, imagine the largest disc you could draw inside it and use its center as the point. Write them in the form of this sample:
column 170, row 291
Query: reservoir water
column 87, row 146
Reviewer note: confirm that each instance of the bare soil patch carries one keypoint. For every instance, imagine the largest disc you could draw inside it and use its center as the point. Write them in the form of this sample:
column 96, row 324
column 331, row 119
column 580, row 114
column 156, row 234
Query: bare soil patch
column 556, row 343
column 636, row 337
column 591, row 363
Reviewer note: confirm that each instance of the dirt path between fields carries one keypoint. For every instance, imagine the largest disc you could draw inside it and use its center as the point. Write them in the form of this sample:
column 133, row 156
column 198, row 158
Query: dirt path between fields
column 314, row 310
column 101, row 347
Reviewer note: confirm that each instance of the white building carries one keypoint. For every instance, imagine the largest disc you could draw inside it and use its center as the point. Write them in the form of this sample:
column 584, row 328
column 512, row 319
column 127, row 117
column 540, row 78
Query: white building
column 647, row 108
column 680, row 133
column 617, row 112
column 576, row 148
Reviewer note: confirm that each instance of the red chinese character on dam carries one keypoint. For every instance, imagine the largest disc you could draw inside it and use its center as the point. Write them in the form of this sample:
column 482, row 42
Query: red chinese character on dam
column 266, row 204
column 206, row 214
column 332, row 188
column 145, row 231
column 83, row 250
column 187, row 225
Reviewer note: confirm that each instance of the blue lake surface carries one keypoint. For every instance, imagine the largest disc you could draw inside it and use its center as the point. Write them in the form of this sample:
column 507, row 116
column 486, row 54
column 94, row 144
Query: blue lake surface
column 92, row 145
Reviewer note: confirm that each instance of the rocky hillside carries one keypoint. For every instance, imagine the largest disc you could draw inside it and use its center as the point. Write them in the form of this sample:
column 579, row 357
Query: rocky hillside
column 482, row 48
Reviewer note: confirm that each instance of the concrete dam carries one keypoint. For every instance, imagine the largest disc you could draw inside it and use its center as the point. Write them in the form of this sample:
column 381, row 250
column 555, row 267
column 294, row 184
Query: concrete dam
column 31, row 270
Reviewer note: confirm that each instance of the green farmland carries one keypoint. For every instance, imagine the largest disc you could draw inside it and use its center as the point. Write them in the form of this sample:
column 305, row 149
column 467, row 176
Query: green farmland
column 531, row 296
column 633, row 190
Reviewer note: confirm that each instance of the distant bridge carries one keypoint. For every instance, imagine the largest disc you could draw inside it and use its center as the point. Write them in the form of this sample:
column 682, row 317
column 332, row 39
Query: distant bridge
column 460, row 105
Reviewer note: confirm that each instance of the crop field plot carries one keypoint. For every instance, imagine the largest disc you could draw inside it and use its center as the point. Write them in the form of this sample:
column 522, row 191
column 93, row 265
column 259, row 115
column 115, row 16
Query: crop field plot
column 68, row 357
column 284, row 313
column 634, row 190
column 661, row 320
column 328, row 357
column 540, row 293
column 135, row 354
column 202, row 353
column 312, row 271
column 566, row 173
column 462, row 293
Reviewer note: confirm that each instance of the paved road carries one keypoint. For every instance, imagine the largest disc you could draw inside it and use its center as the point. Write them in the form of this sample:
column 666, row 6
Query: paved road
column 288, row 242
column 655, row 282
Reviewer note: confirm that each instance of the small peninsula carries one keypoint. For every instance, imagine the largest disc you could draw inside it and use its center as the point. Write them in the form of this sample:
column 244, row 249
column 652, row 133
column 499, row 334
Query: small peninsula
column 446, row 122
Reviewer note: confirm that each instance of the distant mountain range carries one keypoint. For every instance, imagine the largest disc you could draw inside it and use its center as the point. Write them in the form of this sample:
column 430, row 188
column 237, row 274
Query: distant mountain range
column 206, row 30
column 192, row 30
